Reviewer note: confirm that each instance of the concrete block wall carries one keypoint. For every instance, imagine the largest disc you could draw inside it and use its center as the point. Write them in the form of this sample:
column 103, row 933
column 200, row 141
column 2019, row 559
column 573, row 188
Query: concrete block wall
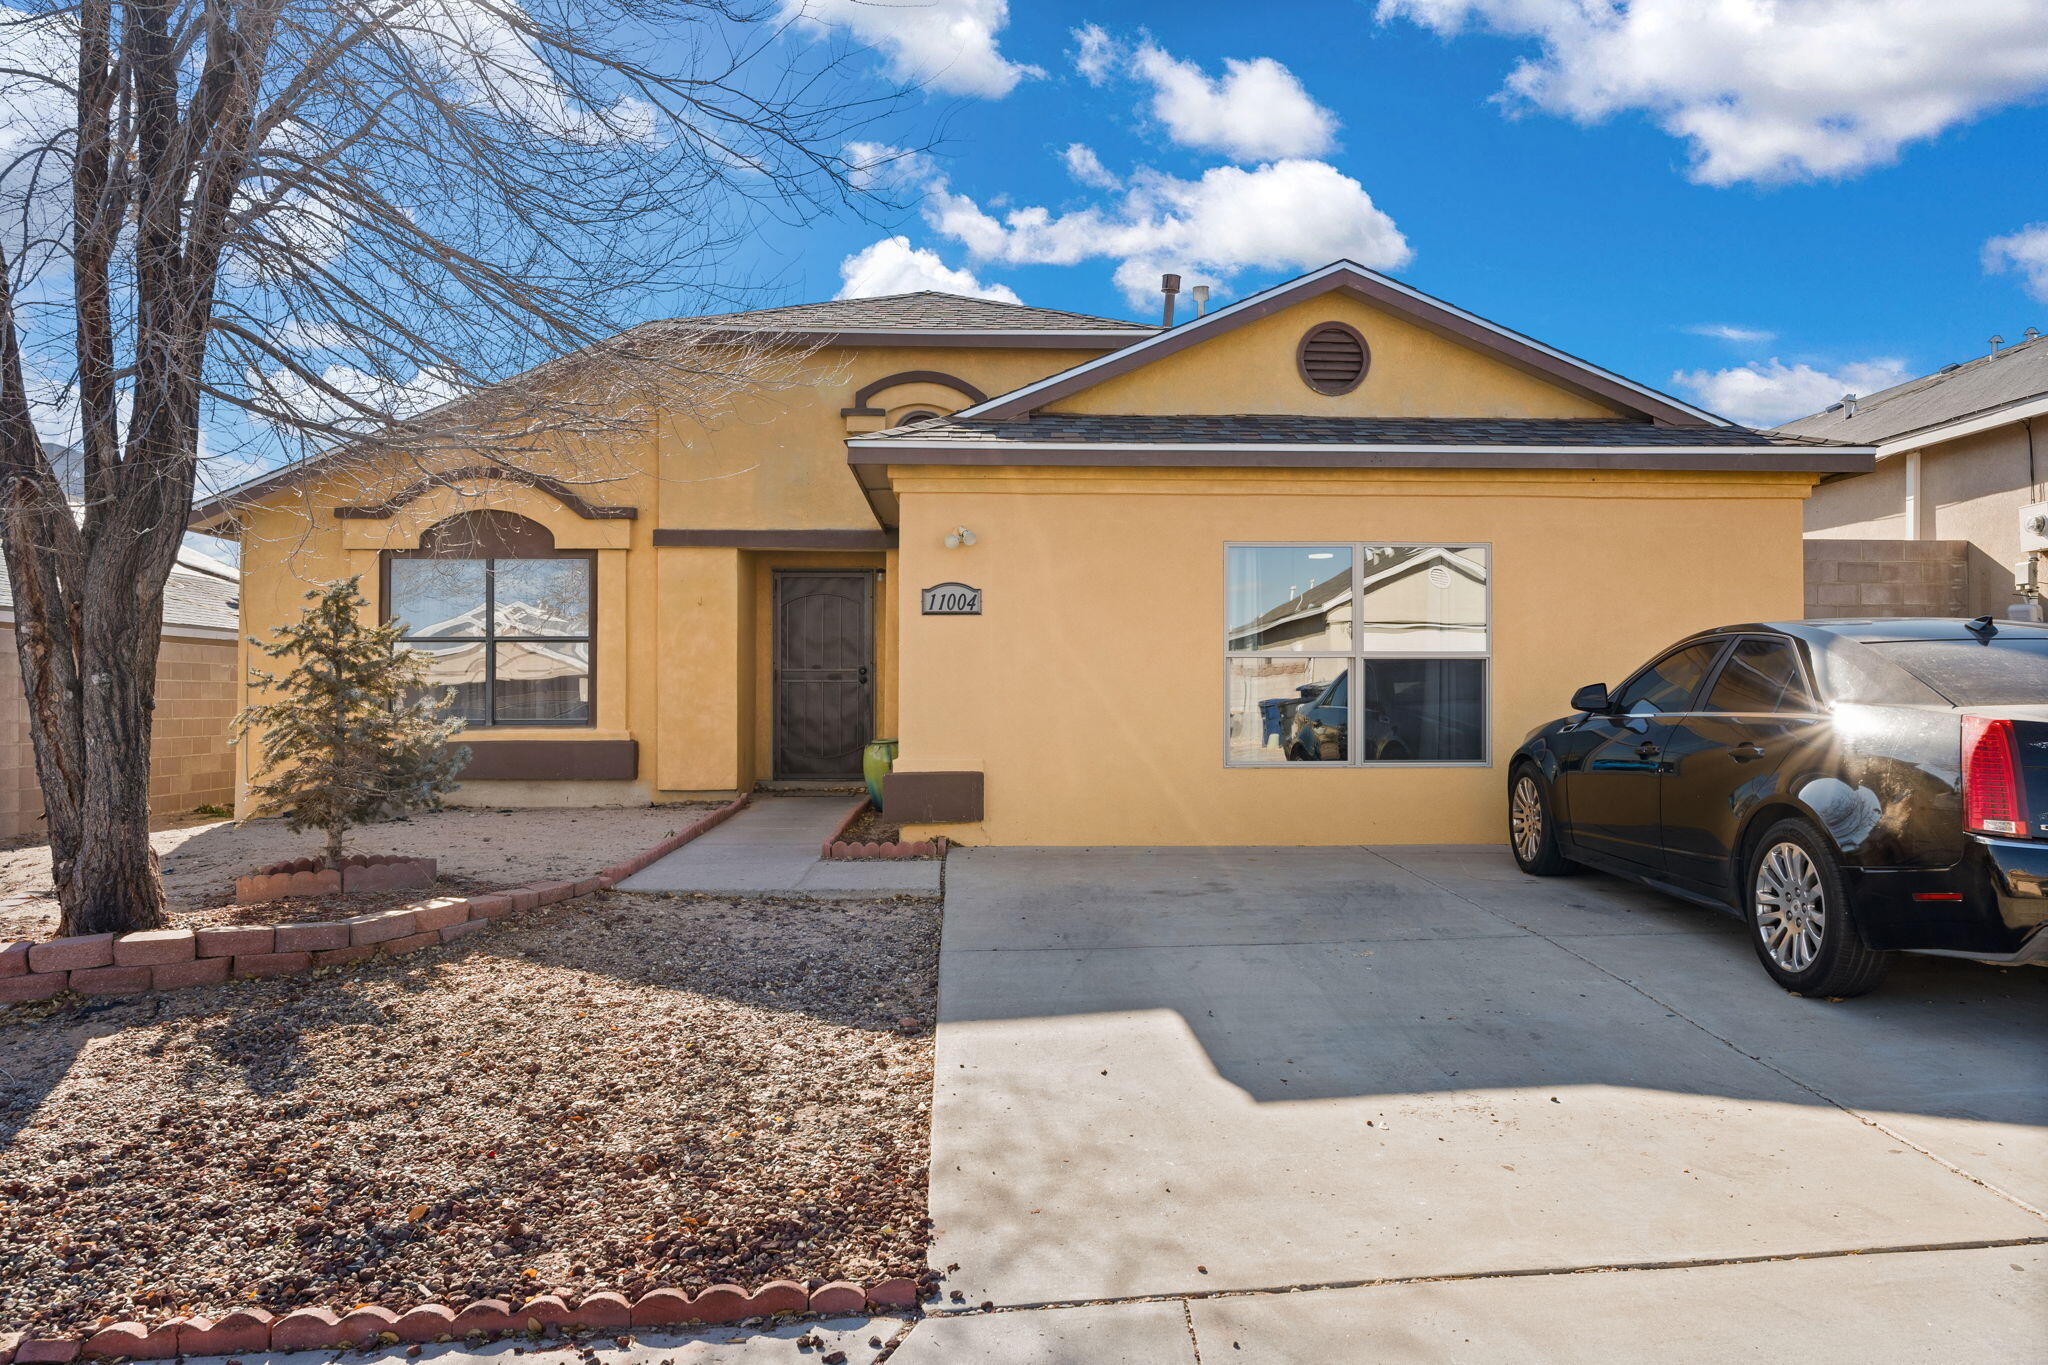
column 1887, row 577
column 190, row 762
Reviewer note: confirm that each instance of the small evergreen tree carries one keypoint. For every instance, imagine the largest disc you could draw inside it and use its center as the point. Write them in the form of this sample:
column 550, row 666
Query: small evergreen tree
column 351, row 740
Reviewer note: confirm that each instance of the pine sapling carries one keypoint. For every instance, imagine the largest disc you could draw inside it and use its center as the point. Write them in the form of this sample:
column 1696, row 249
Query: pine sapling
column 353, row 737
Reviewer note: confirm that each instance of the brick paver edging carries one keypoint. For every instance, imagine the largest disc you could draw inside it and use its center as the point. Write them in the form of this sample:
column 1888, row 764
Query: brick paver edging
column 243, row 1330
column 837, row 846
column 175, row 959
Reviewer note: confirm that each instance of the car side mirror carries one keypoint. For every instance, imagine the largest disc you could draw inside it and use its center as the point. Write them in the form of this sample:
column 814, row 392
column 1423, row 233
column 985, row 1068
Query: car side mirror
column 1592, row 697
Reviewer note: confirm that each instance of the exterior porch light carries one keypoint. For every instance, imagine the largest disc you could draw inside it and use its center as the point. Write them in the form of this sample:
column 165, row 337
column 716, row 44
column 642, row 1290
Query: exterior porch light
column 959, row 536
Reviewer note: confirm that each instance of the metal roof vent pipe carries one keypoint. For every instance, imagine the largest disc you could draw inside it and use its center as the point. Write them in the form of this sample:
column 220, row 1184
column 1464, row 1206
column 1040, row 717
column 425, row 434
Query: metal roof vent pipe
column 1169, row 285
column 1996, row 342
column 2031, row 334
column 1200, row 294
column 1848, row 405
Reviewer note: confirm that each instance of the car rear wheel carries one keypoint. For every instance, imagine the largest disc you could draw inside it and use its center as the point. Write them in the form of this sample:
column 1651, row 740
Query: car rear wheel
column 1532, row 834
column 1799, row 917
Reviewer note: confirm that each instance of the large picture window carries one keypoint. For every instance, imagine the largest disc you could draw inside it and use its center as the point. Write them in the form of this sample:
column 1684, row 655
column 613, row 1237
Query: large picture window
column 1356, row 654
column 507, row 625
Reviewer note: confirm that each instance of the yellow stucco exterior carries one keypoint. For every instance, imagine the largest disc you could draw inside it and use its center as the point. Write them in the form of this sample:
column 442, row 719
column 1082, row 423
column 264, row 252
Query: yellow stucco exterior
column 1089, row 693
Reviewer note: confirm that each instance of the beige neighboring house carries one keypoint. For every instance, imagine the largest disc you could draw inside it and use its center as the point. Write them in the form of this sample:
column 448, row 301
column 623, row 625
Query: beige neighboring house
column 1948, row 524
column 196, row 693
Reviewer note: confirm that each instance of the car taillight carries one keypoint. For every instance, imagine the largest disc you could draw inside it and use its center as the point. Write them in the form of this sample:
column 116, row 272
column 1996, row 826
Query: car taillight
column 1994, row 800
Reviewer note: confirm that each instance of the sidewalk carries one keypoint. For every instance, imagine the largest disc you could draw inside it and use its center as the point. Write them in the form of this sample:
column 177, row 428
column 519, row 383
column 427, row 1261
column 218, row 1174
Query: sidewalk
column 771, row 848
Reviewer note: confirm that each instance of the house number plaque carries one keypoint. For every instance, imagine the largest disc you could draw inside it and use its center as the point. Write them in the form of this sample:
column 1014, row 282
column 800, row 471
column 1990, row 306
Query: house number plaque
column 952, row 599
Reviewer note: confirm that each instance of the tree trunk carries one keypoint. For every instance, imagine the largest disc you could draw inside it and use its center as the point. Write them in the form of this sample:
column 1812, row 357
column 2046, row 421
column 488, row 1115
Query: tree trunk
column 111, row 885
column 334, row 838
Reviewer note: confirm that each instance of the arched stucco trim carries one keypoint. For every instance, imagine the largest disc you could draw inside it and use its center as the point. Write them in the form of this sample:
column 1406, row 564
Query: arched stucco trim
column 862, row 407
column 554, row 488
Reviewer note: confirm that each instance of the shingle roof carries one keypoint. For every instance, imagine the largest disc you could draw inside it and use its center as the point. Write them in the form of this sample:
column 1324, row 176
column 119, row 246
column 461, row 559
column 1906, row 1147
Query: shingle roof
column 190, row 599
column 1974, row 387
column 1288, row 429
column 927, row 310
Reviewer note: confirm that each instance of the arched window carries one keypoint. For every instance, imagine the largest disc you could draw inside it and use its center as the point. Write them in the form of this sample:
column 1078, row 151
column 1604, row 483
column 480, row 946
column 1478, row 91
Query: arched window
column 503, row 617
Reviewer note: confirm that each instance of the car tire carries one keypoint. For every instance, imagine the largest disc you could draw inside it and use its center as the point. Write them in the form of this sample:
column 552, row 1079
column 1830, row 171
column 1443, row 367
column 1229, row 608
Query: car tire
column 1532, row 831
column 1796, row 904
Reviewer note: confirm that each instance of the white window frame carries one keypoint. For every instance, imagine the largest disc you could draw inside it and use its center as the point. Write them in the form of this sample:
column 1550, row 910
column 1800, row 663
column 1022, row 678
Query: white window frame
column 1355, row 658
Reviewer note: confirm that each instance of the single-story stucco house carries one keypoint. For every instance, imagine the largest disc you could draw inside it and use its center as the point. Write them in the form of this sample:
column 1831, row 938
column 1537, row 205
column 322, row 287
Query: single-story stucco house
column 1297, row 572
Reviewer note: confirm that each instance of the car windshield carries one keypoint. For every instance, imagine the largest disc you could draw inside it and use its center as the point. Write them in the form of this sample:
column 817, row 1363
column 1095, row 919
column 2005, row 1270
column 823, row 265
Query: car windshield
column 2001, row 671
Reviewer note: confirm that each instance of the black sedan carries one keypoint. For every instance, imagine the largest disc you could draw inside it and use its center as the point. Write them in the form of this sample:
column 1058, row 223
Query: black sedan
column 1852, row 789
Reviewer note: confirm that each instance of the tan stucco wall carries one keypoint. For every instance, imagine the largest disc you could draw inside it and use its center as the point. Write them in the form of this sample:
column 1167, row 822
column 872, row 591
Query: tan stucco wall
column 190, row 762
column 1090, row 692
column 682, row 644
column 1971, row 490
column 1413, row 373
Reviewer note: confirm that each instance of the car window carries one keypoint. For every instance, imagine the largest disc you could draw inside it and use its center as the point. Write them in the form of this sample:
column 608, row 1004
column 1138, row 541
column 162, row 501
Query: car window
column 1762, row 677
column 2002, row 671
column 1668, row 684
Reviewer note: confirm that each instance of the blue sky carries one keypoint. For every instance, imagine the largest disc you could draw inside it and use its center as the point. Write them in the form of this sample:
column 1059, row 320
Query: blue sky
column 1844, row 188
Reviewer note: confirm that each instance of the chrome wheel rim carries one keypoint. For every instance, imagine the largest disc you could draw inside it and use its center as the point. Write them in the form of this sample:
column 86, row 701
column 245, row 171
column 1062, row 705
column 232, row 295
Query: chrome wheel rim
column 1791, row 909
column 1525, row 819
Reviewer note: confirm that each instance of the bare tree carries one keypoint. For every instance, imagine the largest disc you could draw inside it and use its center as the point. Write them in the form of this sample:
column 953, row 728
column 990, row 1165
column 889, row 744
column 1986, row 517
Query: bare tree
column 358, row 226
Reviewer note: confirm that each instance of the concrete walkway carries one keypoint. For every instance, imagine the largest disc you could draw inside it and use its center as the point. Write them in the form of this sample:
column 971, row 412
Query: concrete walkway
column 1303, row 1104
column 771, row 848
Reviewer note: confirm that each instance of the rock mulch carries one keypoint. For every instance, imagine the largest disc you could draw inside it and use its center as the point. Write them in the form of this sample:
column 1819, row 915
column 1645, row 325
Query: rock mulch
column 614, row 1094
column 478, row 850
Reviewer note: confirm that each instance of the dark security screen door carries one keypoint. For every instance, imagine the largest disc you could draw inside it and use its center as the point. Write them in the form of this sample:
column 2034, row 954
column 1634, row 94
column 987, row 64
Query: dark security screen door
column 824, row 672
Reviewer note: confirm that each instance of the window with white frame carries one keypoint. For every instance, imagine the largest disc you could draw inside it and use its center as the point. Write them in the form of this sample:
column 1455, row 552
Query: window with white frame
column 1355, row 653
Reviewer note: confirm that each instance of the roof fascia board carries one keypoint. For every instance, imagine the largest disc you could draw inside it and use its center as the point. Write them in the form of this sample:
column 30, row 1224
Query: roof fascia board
column 1967, row 426
column 1693, row 459
column 1447, row 320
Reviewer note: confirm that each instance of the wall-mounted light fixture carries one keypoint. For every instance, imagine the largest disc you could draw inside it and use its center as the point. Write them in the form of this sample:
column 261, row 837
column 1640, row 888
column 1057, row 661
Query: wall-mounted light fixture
column 959, row 536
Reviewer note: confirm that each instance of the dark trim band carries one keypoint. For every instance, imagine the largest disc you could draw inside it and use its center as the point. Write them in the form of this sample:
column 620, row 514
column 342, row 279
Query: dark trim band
column 933, row 798
column 671, row 537
column 554, row 488
column 551, row 760
column 860, row 406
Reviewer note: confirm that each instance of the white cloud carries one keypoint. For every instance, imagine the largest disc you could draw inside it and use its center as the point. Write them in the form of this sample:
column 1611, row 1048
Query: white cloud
column 949, row 45
column 390, row 399
column 1087, row 168
column 2025, row 253
column 894, row 266
column 1740, row 336
column 1096, row 54
column 877, row 165
column 1770, row 391
column 1257, row 110
column 1287, row 215
column 1766, row 90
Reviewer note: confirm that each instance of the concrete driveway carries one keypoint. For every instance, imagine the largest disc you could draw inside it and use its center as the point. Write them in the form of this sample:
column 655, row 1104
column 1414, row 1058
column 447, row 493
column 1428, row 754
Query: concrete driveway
column 1328, row 1104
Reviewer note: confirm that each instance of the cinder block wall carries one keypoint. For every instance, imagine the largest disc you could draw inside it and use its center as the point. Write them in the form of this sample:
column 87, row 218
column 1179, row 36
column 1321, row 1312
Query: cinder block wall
column 1887, row 577
column 190, row 762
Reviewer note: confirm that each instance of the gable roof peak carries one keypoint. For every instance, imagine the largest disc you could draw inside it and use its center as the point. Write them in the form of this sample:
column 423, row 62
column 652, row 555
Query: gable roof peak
column 1384, row 292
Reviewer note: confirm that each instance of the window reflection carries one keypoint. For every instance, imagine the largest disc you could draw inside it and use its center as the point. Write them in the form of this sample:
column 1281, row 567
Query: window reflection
column 438, row 598
column 1369, row 653
column 1286, row 710
column 545, row 597
column 1423, row 599
column 542, row 682
column 1288, row 598
column 510, row 637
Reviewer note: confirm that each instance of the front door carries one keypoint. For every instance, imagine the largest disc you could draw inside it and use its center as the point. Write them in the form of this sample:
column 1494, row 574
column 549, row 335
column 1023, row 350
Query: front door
column 824, row 673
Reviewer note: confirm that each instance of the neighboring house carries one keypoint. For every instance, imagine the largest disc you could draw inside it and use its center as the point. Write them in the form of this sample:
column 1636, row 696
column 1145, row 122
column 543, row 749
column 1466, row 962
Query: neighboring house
column 197, row 694
column 1068, row 562
column 1936, row 527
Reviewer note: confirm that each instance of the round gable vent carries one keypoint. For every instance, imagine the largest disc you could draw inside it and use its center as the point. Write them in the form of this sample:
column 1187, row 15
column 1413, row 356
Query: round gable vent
column 1333, row 358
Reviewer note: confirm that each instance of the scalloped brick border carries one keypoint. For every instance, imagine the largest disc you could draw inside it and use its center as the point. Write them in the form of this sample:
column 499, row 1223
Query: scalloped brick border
column 156, row 960
column 325, row 1329
column 837, row 847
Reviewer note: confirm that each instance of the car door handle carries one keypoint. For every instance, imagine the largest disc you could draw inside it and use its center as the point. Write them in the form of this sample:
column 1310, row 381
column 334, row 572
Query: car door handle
column 1745, row 753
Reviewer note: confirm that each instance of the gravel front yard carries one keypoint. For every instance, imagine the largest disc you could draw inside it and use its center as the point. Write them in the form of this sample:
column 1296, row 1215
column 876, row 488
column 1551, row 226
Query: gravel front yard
column 616, row 1093
column 477, row 850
